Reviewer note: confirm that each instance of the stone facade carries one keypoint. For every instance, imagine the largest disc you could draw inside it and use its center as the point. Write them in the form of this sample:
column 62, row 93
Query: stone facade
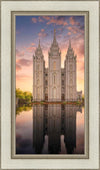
column 54, row 72
column 55, row 83
column 38, row 74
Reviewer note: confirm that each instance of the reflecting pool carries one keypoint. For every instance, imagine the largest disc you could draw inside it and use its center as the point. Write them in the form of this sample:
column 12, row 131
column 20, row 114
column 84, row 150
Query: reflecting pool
column 50, row 129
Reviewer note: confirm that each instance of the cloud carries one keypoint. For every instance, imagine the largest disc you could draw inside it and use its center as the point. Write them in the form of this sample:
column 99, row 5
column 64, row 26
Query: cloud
column 57, row 21
column 42, row 33
column 69, row 33
column 40, row 19
column 24, row 62
column 78, row 44
column 18, row 67
column 46, row 17
column 61, row 29
column 19, row 53
column 72, row 29
column 42, row 30
column 71, row 20
column 59, row 36
column 82, row 67
column 23, row 76
column 34, row 20
column 81, row 49
column 30, row 49
column 33, row 44
column 75, row 30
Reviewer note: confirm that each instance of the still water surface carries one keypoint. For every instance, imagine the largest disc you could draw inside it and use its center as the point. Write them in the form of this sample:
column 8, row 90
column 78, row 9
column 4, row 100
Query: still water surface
column 50, row 129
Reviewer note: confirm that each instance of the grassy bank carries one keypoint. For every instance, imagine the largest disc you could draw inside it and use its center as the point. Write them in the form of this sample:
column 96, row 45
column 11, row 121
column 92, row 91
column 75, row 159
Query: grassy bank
column 62, row 102
column 24, row 97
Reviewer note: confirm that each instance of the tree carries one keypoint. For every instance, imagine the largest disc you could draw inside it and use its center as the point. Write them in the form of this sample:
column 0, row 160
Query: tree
column 23, row 97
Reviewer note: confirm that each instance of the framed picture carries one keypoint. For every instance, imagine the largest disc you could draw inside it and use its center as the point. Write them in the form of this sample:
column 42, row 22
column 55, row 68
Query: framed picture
column 56, row 89
column 50, row 85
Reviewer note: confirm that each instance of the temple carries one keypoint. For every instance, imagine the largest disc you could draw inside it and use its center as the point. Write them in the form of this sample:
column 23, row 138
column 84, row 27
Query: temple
column 55, row 83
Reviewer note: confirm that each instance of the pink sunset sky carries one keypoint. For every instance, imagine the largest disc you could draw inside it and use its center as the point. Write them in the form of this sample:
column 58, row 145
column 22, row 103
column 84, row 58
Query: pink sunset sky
column 29, row 29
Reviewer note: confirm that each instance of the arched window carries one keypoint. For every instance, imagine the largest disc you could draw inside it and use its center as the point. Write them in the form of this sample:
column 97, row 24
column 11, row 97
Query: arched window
column 70, row 67
column 54, row 78
column 71, row 81
column 38, row 67
column 38, row 92
column 46, row 90
column 71, row 92
column 70, row 74
column 54, row 65
column 62, row 82
column 54, row 92
column 46, row 82
column 37, row 74
column 37, row 81
column 79, row 97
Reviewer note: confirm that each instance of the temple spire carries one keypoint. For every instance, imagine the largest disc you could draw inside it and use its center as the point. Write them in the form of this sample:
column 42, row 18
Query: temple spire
column 38, row 51
column 69, row 43
column 54, row 35
column 39, row 43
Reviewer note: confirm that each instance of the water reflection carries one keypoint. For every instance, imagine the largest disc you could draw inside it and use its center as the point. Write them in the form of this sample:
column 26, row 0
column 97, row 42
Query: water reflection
column 54, row 121
column 70, row 127
column 54, row 131
column 38, row 128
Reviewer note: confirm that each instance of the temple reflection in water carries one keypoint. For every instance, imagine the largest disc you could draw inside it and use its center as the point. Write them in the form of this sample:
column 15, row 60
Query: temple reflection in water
column 54, row 121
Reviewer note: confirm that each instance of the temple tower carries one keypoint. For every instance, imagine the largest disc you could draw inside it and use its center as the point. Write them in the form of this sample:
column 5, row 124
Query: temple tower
column 54, row 72
column 70, row 75
column 38, row 74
